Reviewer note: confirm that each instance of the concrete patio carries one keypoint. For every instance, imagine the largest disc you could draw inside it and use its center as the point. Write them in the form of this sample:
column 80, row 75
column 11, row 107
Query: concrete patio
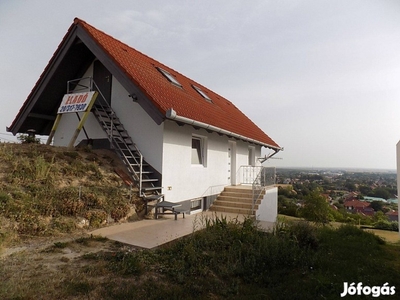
column 149, row 234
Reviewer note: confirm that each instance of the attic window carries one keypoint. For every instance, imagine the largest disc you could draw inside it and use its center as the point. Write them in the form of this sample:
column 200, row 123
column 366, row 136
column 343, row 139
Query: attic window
column 201, row 93
column 170, row 77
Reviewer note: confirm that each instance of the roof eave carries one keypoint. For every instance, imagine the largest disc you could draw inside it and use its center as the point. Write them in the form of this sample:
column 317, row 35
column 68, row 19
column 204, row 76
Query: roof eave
column 172, row 115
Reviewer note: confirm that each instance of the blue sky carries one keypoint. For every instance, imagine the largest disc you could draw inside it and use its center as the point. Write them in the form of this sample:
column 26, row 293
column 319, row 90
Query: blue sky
column 321, row 77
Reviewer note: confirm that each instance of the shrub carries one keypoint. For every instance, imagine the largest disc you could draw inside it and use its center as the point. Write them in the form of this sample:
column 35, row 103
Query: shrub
column 96, row 217
column 386, row 225
column 304, row 234
column 27, row 139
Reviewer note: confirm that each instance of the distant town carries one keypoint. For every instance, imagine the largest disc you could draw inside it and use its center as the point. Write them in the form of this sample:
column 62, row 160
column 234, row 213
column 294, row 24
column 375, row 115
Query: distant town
column 362, row 197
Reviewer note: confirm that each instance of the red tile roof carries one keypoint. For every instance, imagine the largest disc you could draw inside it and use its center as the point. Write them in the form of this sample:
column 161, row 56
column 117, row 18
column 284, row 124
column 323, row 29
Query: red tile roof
column 356, row 204
column 185, row 100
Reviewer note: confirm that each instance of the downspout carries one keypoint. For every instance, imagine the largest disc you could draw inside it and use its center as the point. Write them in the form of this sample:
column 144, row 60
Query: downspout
column 172, row 115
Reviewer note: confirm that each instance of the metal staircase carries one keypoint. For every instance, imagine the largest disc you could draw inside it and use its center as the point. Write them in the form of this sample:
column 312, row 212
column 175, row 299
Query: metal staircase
column 122, row 143
column 141, row 172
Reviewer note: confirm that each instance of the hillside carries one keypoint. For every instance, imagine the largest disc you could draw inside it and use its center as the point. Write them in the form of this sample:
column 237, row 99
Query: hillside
column 48, row 191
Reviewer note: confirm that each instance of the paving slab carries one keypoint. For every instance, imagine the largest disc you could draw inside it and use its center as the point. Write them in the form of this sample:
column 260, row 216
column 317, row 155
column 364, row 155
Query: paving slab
column 150, row 234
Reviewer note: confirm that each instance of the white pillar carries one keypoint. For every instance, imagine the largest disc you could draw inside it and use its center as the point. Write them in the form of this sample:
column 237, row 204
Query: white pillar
column 398, row 178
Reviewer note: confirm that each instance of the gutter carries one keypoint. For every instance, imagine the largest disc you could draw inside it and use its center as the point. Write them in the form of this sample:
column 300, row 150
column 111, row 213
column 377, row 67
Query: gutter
column 172, row 115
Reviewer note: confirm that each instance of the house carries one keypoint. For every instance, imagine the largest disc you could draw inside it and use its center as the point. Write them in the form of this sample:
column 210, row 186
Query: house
column 393, row 215
column 357, row 206
column 177, row 138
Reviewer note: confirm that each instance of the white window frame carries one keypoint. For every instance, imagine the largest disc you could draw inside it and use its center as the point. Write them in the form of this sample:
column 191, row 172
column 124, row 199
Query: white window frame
column 200, row 91
column 198, row 154
column 169, row 76
column 252, row 156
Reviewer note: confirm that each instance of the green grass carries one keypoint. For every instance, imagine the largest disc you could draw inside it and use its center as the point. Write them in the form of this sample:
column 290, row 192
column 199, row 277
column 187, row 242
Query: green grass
column 238, row 261
column 226, row 260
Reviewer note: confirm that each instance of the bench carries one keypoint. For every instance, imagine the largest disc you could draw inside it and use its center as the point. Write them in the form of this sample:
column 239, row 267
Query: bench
column 169, row 208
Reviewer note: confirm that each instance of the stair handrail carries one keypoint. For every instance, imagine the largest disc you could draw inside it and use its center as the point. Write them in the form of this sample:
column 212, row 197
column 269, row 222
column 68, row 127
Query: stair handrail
column 105, row 105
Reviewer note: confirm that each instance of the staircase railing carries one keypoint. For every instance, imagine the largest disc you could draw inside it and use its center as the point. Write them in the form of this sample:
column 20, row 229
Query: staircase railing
column 265, row 177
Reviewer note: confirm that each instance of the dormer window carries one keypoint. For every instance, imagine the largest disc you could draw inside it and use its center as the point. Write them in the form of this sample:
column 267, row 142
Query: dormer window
column 204, row 95
column 170, row 77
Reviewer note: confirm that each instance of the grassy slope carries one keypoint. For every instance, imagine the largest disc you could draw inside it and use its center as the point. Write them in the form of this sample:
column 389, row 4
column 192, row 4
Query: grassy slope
column 48, row 190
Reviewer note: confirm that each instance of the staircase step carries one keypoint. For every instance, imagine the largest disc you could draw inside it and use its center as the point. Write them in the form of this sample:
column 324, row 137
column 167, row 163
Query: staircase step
column 152, row 188
column 235, row 205
column 150, row 180
column 238, row 201
column 138, row 165
column 123, row 141
column 239, row 211
column 120, row 128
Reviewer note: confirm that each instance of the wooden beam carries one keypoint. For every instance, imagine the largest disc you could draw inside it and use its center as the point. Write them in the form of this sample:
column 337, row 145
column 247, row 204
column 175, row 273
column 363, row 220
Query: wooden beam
column 82, row 122
column 53, row 130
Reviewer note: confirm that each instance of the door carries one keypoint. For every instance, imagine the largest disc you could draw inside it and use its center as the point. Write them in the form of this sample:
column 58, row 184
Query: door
column 232, row 163
column 103, row 79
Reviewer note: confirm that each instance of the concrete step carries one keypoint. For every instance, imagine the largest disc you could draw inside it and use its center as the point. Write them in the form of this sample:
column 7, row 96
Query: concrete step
column 233, row 204
column 236, row 199
column 239, row 211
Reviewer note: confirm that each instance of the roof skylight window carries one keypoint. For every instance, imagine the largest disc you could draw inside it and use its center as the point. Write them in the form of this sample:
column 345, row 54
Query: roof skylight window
column 170, row 77
column 204, row 95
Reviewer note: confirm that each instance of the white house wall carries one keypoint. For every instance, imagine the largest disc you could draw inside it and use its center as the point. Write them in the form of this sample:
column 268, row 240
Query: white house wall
column 145, row 133
column 68, row 125
column 184, row 181
column 268, row 209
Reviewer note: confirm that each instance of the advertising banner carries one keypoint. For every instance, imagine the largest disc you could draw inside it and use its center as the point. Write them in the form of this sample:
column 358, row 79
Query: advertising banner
column 75, row 102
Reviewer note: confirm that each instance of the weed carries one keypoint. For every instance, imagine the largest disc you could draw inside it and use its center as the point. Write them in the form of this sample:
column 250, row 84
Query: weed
column 60, row 245
column 77, row 288
column 72, row 154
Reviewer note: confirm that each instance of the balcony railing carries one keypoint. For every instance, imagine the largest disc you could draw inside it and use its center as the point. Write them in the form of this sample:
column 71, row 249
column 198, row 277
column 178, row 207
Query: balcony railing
column 256, row 174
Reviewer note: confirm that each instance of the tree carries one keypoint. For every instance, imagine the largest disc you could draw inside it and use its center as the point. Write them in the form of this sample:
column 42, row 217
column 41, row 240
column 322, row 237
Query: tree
column 379, row 216
column 316, row 209
column 381, row 192
column 365, row 190
column 377, row 205
column 28, row 139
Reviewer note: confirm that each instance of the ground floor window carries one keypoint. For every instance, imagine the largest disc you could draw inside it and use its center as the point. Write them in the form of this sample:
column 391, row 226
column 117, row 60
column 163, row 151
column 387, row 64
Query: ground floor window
column 196, row 204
